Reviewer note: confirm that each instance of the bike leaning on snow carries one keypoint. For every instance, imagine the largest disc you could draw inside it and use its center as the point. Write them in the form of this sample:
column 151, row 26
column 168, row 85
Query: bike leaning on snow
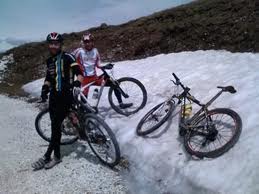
column 81, row 122
column 130, row 89
column 208, row 133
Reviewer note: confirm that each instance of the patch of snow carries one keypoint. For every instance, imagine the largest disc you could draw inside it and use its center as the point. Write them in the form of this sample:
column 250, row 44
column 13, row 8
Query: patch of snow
column 6, row 59
column 160, row 164
column 34, row 88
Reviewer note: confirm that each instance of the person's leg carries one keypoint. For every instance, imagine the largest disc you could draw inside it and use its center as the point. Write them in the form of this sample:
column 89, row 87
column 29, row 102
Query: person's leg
column 41, row 162
column 56, row 135
column 53, row 115
column 64, row 104
column 62, row 110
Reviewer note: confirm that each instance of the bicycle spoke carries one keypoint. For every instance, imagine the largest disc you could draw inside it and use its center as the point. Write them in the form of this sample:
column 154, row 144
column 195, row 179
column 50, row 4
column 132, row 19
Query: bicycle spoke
column 135, row 97
column 198, row 143
column 156, row 117
column 67, row 130
column 101, row 142
column 225, row 130
column 150, row 122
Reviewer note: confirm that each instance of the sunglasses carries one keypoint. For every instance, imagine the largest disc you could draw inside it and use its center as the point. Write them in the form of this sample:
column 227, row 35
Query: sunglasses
column 87, row 41
column 54, row 45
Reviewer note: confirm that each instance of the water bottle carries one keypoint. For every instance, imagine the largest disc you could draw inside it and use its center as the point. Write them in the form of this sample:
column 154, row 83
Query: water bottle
column 95, row 94
column 187, row 110
column 95, row 97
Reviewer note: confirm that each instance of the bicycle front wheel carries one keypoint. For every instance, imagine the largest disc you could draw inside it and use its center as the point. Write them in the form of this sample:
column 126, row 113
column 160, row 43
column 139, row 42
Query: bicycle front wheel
column 220, row 133
column 101, row 140
column 156, row 117
column 136, row 95
column 43, row 128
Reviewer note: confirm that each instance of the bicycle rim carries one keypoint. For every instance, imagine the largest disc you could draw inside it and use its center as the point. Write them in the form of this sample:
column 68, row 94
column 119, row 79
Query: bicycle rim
column 136, row 92
column 156, row 117
column 102, row 140
column 43, row 127
column 228, row 125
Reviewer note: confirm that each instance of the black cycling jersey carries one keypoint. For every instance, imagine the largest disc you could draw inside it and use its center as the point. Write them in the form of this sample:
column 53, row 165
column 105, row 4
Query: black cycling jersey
column 61, row 70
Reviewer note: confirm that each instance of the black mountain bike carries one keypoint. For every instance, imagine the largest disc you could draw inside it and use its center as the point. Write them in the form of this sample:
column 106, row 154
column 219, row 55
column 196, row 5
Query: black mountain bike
column 81, row 122
column 208, row 133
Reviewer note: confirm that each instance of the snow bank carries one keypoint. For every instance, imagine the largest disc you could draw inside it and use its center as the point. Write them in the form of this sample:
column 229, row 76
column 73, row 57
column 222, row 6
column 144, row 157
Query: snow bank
column 160, row 164
column 3, row 62
column 34, row 88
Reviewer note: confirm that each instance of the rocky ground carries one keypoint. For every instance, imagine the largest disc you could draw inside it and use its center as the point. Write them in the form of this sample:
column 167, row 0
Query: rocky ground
column 20, row 145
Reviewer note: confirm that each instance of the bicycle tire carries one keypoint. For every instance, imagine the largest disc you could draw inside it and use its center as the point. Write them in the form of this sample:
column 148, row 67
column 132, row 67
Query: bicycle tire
column 142, row 132
column 91, row 116
column 44, row 135
column 221, row 150
column 128, row 112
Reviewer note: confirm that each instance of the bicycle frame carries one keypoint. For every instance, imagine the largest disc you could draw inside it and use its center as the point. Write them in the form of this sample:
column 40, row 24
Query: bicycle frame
column 105, row 77
column 191, row 122
column 204, row 107
column 100, row 92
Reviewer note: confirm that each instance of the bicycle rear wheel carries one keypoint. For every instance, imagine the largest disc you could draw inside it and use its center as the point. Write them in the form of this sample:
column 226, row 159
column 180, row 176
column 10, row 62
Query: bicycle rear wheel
column 101, row 140
column 156, row 117
column 225, row 125
column 43, row 128
column 136, row 92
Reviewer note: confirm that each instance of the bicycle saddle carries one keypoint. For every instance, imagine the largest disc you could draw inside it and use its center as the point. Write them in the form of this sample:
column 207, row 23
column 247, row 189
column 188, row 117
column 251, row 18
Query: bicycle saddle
column 230, row 89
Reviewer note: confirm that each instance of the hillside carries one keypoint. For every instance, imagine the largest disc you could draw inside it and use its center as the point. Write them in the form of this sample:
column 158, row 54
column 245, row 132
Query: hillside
column 200, row 25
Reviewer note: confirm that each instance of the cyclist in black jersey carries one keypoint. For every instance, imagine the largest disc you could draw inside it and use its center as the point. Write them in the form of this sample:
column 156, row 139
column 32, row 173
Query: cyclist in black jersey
column 59, row 82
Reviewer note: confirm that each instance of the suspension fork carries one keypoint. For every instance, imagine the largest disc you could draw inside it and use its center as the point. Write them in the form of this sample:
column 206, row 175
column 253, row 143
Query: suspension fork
column 86, row 105
column 117, row 86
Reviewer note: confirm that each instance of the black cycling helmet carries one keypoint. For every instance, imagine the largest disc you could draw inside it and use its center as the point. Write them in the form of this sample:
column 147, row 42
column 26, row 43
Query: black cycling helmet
column 54, row 36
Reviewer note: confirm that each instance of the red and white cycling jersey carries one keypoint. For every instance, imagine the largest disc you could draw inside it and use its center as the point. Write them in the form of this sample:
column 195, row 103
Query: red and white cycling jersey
column 88, row 60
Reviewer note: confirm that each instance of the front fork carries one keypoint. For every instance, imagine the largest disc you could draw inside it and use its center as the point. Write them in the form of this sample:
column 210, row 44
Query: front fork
column 117, row 86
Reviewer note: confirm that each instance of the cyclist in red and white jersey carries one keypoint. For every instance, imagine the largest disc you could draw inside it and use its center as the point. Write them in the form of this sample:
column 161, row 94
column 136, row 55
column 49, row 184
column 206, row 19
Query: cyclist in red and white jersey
column 89, row 59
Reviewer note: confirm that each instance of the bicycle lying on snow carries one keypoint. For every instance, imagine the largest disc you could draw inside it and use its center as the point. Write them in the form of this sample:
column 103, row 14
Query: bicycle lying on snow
column 81, row 122
column 208, row 133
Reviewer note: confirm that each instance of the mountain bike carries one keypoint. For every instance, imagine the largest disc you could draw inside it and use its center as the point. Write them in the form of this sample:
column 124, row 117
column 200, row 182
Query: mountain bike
column 208, row 133
column 81, row 123
column 131, row 89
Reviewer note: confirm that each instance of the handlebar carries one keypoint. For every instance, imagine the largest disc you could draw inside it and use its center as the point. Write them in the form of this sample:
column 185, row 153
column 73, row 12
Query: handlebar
column 177, row 82
column 107, row 66
column 176, row 78
column 186, row 92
